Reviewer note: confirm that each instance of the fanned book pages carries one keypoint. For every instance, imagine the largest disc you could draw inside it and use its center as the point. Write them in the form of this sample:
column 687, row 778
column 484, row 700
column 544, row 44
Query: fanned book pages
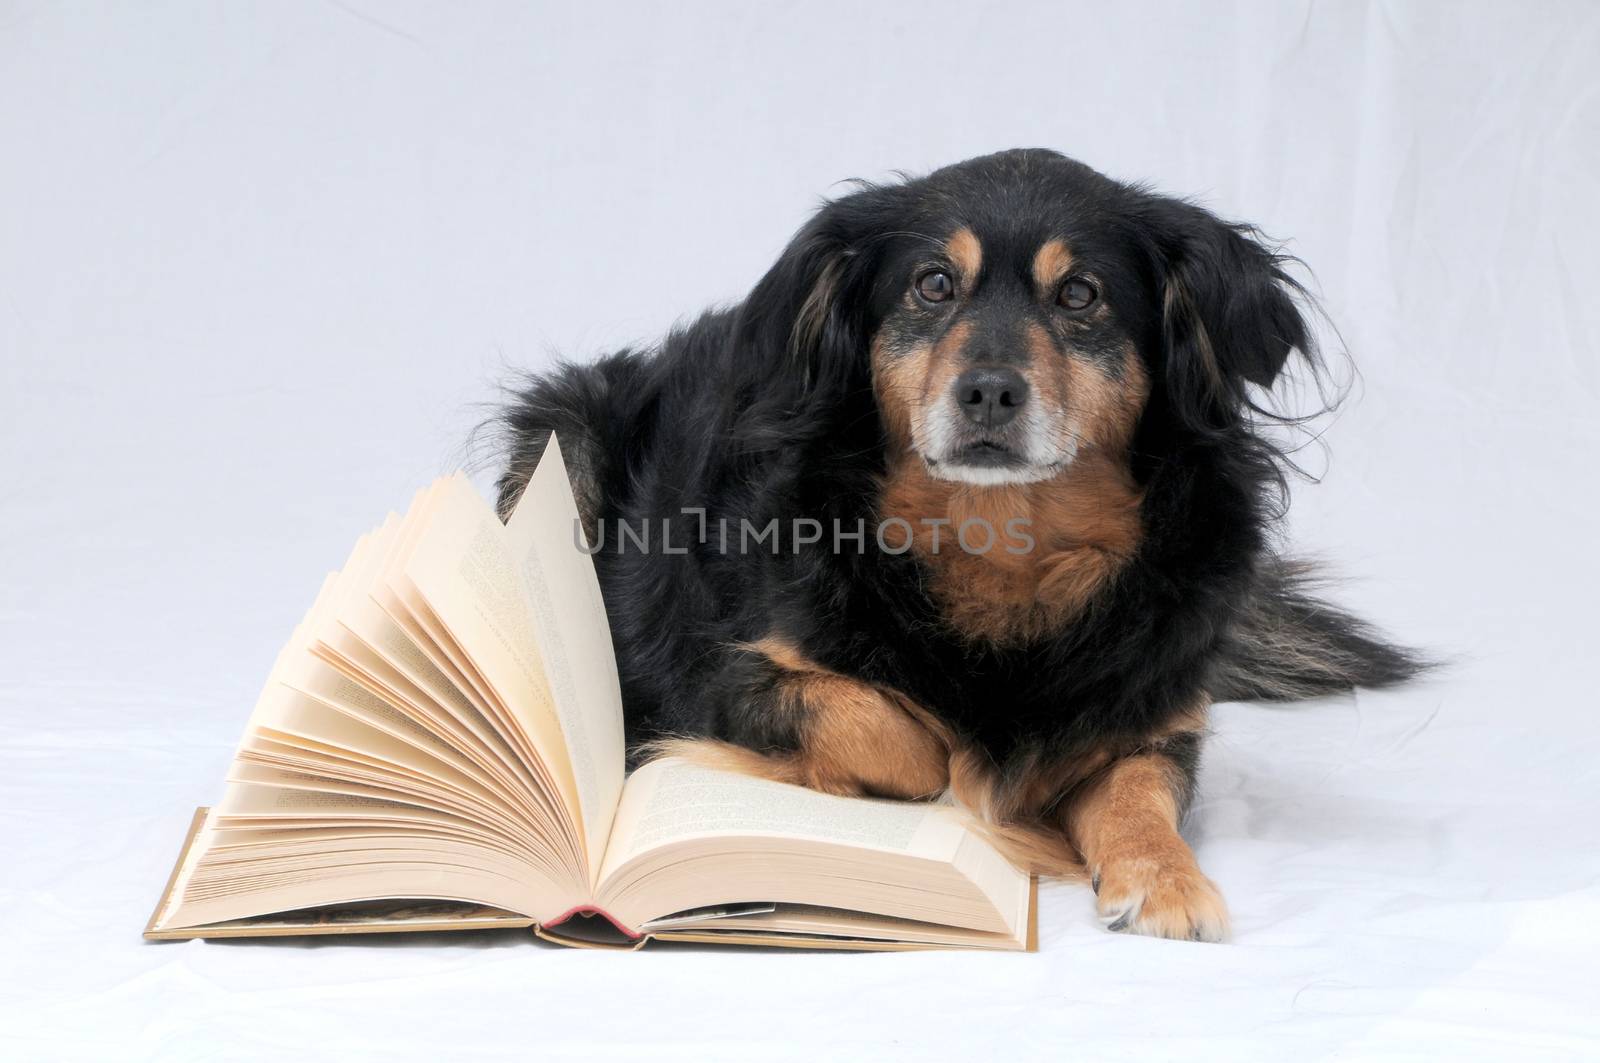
column 440, row 747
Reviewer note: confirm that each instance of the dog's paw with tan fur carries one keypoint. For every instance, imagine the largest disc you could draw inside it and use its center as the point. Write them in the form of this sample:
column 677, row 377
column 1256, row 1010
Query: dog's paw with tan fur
column 1159, row 894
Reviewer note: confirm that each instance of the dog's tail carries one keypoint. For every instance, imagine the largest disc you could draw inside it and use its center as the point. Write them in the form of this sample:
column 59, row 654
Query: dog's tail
column 590, row 408
column 1288, row 644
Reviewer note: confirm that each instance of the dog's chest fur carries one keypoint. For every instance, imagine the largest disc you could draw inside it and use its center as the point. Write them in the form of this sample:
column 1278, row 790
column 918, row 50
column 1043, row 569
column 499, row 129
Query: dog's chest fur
column 1014, row 563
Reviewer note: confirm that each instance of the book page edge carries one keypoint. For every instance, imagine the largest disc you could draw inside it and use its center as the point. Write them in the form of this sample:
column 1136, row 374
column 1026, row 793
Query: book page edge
column 1032, row 942
column 818, row 943
column 164, row 901
column 219, row 931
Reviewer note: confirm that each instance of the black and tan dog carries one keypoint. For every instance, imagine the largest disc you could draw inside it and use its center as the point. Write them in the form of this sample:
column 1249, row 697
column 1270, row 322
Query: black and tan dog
column 969, row 494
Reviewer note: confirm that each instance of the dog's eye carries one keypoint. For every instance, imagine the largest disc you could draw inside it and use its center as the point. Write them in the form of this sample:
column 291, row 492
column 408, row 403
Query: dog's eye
column 935, row 286
column 1077, row 294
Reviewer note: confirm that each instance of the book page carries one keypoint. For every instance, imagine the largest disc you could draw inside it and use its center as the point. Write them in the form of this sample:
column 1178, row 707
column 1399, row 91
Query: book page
column 812, row 921
column 574, row 639
column 670, row 800
column 462, row 568
column 392, row 864
column 687, row 837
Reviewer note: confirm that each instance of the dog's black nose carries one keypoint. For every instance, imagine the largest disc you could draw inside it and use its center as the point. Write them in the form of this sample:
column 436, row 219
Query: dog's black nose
column 991, row 395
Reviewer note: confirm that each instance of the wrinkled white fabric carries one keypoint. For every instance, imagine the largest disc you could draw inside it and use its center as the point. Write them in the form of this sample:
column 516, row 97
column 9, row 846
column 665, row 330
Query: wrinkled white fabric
column 260, row 264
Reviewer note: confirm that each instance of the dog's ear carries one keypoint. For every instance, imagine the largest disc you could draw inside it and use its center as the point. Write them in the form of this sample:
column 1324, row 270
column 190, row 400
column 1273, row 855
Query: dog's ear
column 1229, row 311
column 808, row 319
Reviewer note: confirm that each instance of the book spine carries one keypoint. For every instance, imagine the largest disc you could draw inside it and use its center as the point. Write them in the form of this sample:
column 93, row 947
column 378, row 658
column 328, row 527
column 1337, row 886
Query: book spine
column 589, row 909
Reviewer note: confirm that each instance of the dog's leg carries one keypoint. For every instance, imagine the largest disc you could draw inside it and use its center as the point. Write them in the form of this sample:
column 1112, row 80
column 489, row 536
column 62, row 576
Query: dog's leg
column 792, row 720
column 1125, row 823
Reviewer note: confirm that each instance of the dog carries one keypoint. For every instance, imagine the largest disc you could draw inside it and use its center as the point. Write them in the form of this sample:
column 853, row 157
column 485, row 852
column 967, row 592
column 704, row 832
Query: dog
column 1013, row 350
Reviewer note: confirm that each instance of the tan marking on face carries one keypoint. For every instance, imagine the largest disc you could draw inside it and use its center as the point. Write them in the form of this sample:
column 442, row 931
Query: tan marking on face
column 1050, row 374
column 909, row 383
column 1051, row 264
column 1132, row 393
column 855, row 738
column 1100, row 410
column 966, row 254
column 898, row 380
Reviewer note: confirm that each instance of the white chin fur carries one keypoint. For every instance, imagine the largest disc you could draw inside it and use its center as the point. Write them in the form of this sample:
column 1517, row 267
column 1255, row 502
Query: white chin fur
column 988, row 476
column 938, row 434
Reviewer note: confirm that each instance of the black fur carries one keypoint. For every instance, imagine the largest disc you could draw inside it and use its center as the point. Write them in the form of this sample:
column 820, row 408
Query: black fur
column 767, row 411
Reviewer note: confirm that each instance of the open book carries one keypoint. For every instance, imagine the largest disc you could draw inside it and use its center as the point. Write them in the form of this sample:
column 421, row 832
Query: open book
column 440, row 746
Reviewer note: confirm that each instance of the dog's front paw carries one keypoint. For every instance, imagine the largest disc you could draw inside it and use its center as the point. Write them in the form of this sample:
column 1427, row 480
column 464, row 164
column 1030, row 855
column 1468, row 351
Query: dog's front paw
column 1162, row 894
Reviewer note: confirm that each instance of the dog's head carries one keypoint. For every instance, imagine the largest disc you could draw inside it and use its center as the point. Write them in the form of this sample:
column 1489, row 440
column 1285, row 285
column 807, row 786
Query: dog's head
column 1015, row 310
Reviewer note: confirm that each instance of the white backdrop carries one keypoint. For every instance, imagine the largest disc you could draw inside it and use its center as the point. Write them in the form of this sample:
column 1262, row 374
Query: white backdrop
column 262, row 264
